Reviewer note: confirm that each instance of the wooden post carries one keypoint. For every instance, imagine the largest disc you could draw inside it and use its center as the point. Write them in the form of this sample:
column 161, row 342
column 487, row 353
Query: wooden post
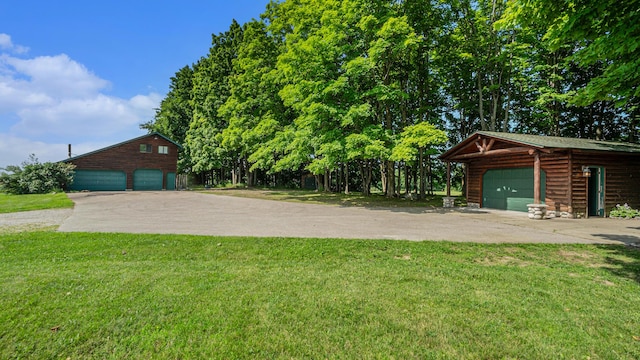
column 536, row 178
column 586, row 197
column 448, row 179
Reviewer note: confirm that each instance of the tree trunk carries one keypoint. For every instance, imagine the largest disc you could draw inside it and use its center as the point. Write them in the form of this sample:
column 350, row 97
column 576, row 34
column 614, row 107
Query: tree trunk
column 326, row 180
column 407, row 183
column 346, row 178
column 483, row 123
column 391, row 180
column 422, row 177
column 430, row 177
column 365, row 171
column 383, row 176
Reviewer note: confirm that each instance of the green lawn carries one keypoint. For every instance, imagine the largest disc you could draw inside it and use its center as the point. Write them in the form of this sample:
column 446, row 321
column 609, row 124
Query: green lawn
column 321, row 197
column 108, row 296
column 15, row 203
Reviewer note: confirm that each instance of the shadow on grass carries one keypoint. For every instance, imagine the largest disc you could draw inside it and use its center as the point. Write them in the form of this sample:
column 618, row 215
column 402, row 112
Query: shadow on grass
column 624, row 260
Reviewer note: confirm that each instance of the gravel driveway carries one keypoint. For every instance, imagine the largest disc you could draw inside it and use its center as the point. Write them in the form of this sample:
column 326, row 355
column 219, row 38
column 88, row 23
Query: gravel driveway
column 207, row 214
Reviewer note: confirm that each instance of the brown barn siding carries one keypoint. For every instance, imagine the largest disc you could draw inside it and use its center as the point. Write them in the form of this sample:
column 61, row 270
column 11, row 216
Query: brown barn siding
column 622, row 180
column 557, row 197
column 128, row 158
column 554, row 165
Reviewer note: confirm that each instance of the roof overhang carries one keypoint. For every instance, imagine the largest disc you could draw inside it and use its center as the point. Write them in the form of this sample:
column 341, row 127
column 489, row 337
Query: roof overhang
column 486, row 143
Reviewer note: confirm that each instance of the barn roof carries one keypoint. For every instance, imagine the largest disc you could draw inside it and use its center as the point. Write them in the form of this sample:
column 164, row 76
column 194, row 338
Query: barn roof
column 545, row 142
column 124, row 142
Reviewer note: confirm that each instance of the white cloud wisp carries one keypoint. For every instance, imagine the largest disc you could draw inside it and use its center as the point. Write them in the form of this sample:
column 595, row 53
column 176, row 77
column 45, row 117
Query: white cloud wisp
column 46, row 101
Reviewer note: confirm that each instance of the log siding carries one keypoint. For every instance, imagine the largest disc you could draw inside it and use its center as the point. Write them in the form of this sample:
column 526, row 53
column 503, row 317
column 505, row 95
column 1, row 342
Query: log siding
column 566, row 187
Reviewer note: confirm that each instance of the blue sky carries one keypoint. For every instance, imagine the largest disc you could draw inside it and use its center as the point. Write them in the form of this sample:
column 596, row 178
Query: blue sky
column 87, row 73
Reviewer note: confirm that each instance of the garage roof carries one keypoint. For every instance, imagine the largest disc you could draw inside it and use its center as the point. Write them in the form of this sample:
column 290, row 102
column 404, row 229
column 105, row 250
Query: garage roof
column 124, row 142
column 563, row 143
column 545, row 142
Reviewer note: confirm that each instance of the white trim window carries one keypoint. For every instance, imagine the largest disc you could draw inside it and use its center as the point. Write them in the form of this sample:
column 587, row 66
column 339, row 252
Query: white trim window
column 163, row 149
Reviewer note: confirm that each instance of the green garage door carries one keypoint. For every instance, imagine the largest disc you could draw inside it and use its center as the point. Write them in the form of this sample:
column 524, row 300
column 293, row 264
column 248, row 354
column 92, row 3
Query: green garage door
column 147, row 179
column 171, row 181
column 510, row 189
column 99, row 180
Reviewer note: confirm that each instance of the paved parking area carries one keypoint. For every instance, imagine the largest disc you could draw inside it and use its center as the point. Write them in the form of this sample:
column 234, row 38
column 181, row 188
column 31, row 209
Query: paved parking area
column 207, row 214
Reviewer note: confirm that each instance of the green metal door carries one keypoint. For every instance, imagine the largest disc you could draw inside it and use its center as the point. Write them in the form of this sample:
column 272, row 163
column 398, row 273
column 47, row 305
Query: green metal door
column 596, row 191
column 99, row 180
column 510, row 189
column 171, row 181
column 147, row 179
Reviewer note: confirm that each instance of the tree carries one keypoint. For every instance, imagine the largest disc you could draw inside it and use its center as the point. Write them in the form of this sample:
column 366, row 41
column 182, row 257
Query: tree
column 253, row 113
column 176, row 113
column 415, row 141
column 210, row 91
column 607, row 31
column 34, row 177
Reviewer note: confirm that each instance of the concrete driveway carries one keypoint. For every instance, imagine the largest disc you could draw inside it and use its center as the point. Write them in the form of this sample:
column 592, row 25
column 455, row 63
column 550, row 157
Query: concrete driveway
column 207, row 214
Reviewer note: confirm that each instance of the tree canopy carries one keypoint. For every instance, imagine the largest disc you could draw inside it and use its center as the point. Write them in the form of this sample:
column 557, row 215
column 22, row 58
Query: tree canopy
column 363, row 93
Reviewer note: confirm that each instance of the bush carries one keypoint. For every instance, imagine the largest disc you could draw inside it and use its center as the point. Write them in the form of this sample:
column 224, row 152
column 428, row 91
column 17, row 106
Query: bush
column 35, row 177
column 624, row 212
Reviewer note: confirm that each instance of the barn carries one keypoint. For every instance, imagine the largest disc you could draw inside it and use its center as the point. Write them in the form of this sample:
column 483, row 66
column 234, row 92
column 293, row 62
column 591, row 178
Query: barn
column 567, row 177
column 148, row 162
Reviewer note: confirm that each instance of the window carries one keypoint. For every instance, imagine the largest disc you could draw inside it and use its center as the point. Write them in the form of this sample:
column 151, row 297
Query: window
column 145, row 148
column 163, row 149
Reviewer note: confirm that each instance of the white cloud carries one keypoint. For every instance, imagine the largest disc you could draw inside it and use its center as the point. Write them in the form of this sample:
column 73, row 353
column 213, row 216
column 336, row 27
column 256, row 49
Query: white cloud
column 7, row 44
column 46, row 101
column 16, row 150
column 95, row 117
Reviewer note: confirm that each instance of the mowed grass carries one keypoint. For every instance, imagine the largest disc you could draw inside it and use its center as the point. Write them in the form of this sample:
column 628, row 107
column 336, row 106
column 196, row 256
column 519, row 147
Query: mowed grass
column 321, row 197
column 15, row 203
column 117, row 296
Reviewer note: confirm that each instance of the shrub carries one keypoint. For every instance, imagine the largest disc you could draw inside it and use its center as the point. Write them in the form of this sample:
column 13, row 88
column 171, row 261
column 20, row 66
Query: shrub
column 34, row 177
column 624, row 212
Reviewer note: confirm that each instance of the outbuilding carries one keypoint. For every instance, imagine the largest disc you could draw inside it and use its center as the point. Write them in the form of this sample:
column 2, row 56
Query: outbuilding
column 148, row 162
column 567, row 177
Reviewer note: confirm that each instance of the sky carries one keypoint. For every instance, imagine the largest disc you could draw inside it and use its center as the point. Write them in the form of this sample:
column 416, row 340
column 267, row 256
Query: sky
column 88, row 73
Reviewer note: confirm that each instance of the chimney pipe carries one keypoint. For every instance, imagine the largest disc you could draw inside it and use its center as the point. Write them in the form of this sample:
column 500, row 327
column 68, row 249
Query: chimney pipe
column 69, row 150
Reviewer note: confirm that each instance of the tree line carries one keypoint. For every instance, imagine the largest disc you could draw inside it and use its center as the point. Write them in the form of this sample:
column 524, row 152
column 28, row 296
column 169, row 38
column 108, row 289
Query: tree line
column 362, row 94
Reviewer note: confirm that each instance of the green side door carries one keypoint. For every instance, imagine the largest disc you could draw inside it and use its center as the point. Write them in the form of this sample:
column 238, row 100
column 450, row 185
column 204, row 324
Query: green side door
column 147, row 179
column 171, row 181
column 99, row 180
column 510, row 189
column 596, row 191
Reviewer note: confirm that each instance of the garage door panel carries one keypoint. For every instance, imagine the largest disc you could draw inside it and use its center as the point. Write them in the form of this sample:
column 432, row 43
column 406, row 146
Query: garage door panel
column 147, row 179
column 510, row 189
column 99, row 180
column 171, row 181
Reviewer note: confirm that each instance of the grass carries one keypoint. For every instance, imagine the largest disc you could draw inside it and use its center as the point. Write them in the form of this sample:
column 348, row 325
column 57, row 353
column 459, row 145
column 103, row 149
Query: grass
column 114, row 296
column 16, row 203
column 321, row 197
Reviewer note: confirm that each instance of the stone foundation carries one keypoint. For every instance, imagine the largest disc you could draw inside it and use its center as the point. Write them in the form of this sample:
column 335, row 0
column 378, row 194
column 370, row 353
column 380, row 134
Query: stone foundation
column 448, row 202
column 559, row 214
column 537, row 211
column 472, row 205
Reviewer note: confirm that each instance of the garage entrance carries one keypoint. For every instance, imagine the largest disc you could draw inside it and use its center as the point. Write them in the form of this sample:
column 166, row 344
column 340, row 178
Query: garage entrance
column 171, row 181
column 510, row 189
column 147, row 179
column 99, row 180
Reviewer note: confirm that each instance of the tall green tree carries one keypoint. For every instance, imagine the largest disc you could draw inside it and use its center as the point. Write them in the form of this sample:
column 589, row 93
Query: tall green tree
column 211, row 90
column 414, row 143
column 607, row 32
column 253, row 110
column 175, row 113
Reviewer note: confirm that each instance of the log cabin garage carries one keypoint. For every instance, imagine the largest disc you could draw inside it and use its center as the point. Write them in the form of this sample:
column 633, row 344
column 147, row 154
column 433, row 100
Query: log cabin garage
column 565, row 177
column 148, row 162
